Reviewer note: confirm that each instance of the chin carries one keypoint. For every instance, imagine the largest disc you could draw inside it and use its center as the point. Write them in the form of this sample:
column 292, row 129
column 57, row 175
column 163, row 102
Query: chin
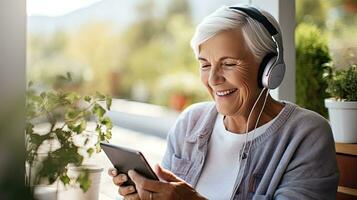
column 223, row 110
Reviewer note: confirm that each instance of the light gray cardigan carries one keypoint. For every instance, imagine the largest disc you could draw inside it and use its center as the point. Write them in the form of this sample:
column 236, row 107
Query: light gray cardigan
column 294, row 159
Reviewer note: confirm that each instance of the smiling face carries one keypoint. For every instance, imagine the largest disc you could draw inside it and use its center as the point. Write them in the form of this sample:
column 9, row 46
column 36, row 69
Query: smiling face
column 229, row 72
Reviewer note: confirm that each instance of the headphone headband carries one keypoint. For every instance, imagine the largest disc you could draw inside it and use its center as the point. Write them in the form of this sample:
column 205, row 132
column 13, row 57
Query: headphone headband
column 258, row 16
column 255, row 14
column 272, row 67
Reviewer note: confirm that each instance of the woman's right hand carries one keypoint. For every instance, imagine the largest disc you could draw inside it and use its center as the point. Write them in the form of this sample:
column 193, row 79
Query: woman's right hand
column 128, row 192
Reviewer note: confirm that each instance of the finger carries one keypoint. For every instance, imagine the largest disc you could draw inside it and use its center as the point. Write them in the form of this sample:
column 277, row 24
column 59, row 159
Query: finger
column 132, row 197
column 112, row 172
column 146, row 184
column 126, row 190
column 166, row 174
column 120, row 179
column 144, row 194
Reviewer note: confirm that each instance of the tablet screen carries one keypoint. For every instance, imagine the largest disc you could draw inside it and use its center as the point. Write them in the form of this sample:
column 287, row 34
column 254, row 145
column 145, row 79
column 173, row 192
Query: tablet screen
column 125, row 159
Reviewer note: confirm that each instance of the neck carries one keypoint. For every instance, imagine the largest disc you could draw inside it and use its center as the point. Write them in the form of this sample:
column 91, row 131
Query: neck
column 238, row 123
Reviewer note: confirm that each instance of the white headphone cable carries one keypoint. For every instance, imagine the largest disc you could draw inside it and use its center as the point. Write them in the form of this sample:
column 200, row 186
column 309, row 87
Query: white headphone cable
column 246, row 133
column 256, row 123
column 247, row 126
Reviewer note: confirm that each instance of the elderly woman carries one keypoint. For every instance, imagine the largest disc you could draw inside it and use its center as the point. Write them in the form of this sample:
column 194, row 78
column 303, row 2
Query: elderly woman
column 245, row 144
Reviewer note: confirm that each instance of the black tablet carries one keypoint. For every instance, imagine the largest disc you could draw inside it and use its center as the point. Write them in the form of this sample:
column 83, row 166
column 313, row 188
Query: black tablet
column 125, row 159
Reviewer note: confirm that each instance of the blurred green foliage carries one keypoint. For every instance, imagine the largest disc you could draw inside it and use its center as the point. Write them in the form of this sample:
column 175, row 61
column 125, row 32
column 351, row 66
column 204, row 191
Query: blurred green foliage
column 325, row 32
column 337, row 20
column 109, row 61
column 342, row 84
column 311, row 55
column 312, row 12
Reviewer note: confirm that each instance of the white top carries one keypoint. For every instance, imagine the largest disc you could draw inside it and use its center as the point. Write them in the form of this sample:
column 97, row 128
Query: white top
column 221, row 166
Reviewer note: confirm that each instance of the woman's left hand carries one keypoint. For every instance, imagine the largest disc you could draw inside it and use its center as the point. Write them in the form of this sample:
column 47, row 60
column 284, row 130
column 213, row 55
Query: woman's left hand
column 171, row 187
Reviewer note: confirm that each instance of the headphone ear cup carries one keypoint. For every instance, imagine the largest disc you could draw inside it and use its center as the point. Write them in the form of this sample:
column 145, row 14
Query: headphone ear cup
column 273, row 74
column 264, row 67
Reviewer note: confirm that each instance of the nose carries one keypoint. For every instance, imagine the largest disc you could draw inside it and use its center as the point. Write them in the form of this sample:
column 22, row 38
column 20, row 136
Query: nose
column 216, row 76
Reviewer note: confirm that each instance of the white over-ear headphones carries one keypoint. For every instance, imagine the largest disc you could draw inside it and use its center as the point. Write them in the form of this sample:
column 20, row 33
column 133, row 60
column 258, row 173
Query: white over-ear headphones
column 272, row 68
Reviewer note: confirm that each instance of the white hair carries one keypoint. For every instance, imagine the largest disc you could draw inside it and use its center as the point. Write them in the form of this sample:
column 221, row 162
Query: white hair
column 257, row 38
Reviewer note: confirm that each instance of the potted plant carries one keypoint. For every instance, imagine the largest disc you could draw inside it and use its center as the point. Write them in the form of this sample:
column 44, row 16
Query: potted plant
column 342, row 107
column 58, row 137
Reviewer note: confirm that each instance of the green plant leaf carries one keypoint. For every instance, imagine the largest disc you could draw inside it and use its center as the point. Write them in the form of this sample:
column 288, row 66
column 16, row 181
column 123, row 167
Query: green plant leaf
column 72, row 114
column 98, row 110
column 37, row 139
column 87, row 99
column 29, row 128
column 65, row 179
column 108, row 101
column 90, row 151
column 82, row 126
column 99, row 96
column 84, row 181
column 72, row 97
column 107, row 122
column 63, row 136
column 108, row 135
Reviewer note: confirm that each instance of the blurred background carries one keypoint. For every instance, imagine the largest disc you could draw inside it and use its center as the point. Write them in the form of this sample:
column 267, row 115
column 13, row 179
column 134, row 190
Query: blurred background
column 139, row 50
column 135, row 50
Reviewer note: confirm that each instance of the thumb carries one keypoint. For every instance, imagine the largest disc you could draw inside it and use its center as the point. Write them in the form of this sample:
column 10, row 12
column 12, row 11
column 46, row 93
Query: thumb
column 166, row 175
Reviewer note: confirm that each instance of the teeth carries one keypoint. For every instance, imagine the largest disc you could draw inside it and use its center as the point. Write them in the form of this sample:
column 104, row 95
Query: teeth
column 226, row 92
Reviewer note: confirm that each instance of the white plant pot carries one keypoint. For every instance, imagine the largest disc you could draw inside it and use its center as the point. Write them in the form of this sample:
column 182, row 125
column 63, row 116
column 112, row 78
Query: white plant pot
column 45, row 192
column 95, row 172
column 343, row 118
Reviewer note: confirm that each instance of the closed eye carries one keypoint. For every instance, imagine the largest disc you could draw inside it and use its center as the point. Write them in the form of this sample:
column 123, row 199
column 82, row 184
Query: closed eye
column 230, row 64
column 205, row 66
